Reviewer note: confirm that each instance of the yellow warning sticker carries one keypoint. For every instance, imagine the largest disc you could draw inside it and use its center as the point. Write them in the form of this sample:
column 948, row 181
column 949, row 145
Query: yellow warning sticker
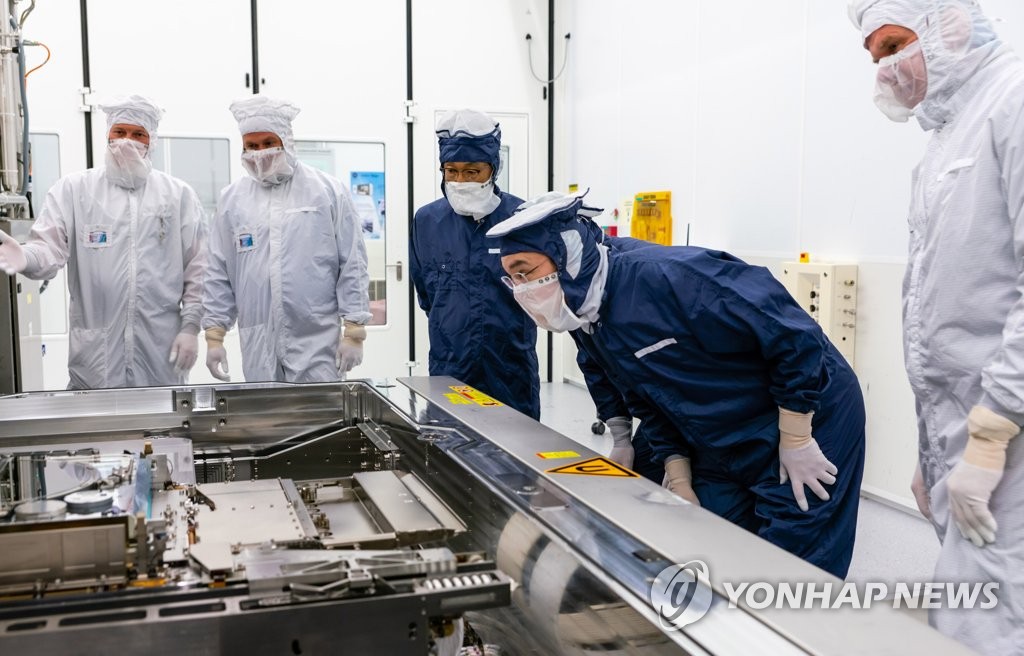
column 554, row 455
column 457, row 399
column 595, row 467
column 467, row 394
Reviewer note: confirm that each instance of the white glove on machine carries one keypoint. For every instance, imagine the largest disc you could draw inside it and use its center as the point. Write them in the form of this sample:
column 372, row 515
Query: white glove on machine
column 979, row 471
column 801, row 461
column 678, row 479
column 216, row 356
column 12, row 255
column 184, row 350
column 622, row 441
column 350, row 347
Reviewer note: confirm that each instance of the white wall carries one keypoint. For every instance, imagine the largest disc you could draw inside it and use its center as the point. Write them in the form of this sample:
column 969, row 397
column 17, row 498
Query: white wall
column 343, row 63
column 758, row 117
column 474, row 54
column 192, row 67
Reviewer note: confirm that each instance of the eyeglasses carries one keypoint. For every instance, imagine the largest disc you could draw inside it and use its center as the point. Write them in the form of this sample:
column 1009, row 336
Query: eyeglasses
column 517, row 279
column 464, row 175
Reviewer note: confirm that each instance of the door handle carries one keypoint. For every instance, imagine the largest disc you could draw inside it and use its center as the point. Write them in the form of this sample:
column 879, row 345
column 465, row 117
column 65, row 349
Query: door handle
column 397, row 266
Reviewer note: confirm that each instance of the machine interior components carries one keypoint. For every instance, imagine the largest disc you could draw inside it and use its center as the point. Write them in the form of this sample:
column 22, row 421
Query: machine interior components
column 354, row 518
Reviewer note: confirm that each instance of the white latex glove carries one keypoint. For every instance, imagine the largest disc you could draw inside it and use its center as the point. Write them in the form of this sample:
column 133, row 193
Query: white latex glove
column 184, row 350
column 217, row 363
column 970, row 488
column 678, row 479
column 216, row 356
column 801, row 461
column 622, row 441
column 979, row 471
column 12, row 255
column 920, row 491
column 350, row 347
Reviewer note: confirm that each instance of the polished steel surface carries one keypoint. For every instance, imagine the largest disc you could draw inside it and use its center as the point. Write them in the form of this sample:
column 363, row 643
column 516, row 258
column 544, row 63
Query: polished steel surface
column 251, row 548
column 604, row 518
column 247, row 512
column 83, row 550
column 382, row 466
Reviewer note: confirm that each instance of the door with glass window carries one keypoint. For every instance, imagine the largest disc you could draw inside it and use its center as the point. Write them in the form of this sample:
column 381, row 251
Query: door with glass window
column 347, row 74
column 513, row 177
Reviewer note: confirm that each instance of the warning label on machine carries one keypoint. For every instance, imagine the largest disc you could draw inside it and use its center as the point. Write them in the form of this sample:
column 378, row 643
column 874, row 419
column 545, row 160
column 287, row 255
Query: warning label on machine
column 595, row 467
column 554, row 455
column 464, row 395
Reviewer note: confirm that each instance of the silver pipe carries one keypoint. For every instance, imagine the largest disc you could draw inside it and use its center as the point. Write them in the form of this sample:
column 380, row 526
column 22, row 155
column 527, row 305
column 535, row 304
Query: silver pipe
column 25, row 159
column 8, row 105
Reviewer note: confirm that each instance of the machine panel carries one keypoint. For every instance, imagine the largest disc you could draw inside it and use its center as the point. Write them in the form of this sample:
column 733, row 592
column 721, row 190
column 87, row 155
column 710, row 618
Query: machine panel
column 356, row 518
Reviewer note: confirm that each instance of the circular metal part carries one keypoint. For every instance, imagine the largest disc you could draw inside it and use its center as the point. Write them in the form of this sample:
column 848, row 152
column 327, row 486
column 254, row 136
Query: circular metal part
column 40, row 511
column 89, row 501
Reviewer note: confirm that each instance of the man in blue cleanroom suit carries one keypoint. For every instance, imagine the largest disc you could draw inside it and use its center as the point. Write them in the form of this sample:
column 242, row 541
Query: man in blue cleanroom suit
column 942, row 62
column 628, row 449
column 730, row 378
column 478, row 333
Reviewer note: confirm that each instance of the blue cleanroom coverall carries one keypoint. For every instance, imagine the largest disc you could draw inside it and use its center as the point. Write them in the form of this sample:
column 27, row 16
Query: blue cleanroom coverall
column 478, row 333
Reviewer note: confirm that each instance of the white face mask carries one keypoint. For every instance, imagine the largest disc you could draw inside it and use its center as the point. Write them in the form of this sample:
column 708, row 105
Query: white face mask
column 270, row 166
column 901, row 82
column 544, row 301
column 127, row 163
column 472, row 198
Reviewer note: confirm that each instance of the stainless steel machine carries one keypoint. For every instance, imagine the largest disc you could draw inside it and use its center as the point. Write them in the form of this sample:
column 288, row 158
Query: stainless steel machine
column 356, row 518
column 20, row 354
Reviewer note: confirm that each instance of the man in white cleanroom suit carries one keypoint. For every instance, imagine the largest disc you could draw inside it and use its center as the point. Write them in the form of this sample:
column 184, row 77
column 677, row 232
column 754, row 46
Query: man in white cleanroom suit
column 133, row 239
column 963, row 309
column 287, row 261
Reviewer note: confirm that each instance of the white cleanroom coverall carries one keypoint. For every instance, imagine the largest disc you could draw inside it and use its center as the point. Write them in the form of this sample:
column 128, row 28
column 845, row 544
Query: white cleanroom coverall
column 135, row 266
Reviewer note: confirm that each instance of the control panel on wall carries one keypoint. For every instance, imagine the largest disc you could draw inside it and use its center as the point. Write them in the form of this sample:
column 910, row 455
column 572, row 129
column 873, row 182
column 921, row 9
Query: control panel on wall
column 828, row 292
